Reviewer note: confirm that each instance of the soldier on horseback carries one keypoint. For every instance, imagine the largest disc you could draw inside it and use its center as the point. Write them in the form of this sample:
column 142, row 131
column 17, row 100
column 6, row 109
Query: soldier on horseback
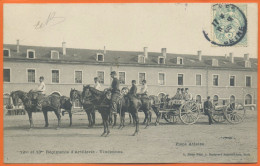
column 133, row 89
column 144, row 89
column 41, row 92
column 115, row 92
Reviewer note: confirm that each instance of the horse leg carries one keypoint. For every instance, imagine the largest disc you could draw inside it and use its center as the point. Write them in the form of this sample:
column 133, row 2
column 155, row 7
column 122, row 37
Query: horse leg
column 130, row 117
column 57, row 113
column 136, row 123
column 70, row 115
column 89, row 119
column 157, row 113
column 146, row 117
column 104, row 124
column 106, row 120
column 115, row 117
column 30, row 119
column 93, row 117
column 45, row 113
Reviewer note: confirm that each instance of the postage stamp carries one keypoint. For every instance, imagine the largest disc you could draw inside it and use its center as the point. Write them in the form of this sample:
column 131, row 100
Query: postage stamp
column 229, row 25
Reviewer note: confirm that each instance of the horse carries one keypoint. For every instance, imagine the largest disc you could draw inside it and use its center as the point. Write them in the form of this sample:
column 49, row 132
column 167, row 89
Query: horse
column 101, row 101
column 48, row 103
column 87, row 106
column 66, row 105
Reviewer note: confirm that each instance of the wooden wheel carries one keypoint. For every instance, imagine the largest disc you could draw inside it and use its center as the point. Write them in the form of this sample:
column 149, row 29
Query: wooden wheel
column 218, row 114
column 171, row 117
column 189, row 112
column 235, row 113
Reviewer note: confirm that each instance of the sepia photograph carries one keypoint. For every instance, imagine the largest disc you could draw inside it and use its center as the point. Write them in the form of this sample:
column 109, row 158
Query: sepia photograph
column 130, row 82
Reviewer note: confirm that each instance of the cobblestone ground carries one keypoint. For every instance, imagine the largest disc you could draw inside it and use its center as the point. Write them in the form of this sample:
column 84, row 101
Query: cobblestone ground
column 166, row 143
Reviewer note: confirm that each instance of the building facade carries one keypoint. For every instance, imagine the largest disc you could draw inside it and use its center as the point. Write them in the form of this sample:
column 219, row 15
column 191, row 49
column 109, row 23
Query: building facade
column 221, row 77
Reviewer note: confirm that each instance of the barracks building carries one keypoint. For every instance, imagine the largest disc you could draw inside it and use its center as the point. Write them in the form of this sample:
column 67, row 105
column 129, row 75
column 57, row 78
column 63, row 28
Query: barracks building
column 222, row 77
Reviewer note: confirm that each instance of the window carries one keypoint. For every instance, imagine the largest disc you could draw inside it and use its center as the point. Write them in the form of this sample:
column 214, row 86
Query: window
column 179, row 61
column 7, row 75
column 198, row 79
column 215, row 99
column 101, row 76
column 161, row 79
column 215, row 80
column 232, row 81
column 161, row 60
column 122, row 77
column 141, row 77
column 78, row 77
column 31, row 75
column 77, row 104
column 214, row 62
column 248, row 81
column 30, row 54
column 100, row 57
column 248, row 99
column 6, row 52
column 180, row 79
column 232, row 99
column 141, row 59
column 54, row 54
column 198, row 99
column 55, row 76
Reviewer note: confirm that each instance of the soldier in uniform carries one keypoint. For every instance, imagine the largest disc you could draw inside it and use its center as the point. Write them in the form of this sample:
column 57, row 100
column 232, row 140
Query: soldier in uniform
column 188, row 96
column 115, row 92
column 208, row 109
column 97, row 84
column 144, row 89
column 41, row 92
column 133, row 89
column 178, row 95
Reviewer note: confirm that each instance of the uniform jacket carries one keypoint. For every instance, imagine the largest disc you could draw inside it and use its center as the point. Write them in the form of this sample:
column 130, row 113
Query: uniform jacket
column 115, row 86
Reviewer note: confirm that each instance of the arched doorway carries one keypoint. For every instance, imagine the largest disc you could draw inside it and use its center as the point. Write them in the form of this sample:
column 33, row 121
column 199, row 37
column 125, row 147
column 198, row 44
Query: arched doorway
column 248, row 99
column 56, row 93
column 198, row 99
column 215, row 99
column 232, row 99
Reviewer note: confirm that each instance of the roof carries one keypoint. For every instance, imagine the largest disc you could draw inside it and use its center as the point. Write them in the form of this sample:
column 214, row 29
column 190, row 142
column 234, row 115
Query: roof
column 88, row 56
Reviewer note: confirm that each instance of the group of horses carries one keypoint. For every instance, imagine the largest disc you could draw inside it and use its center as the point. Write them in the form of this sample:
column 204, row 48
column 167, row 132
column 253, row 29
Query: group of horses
column 91, row 99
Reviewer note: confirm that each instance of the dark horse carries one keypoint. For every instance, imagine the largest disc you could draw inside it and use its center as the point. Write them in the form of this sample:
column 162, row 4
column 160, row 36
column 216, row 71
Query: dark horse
column 101, row 101
column 48, row 103
column 87, row 105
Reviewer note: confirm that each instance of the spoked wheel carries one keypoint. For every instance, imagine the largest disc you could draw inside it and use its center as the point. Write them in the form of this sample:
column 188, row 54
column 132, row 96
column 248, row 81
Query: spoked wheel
column 235, row 113
column 189, row 112
column 218, row 115
column 171, row 117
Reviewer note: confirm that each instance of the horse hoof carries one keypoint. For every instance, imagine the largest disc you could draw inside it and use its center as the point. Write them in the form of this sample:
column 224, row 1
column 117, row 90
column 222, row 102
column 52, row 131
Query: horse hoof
column 103, row 134
column 46, row 126
column 107, row 134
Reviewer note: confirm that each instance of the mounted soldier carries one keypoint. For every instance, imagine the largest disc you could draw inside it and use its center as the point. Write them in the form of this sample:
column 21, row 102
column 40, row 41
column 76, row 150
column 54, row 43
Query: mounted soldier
column 97, row 84
column 115, row 92
column 41, row 92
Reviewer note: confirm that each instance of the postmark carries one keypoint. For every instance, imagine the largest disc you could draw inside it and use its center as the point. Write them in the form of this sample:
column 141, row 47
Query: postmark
column 228, row 26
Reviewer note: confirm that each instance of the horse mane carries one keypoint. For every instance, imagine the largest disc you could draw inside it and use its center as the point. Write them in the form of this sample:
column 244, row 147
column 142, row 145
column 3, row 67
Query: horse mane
column 92, row 90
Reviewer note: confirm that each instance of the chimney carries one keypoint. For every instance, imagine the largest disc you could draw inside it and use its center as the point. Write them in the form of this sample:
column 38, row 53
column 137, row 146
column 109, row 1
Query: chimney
column 18, row 46
column 146, row 52
column 226, row 56
column 105, row 50
column 164, row 52
column 64, row 48
column 199, row 55
column 246, row 57
column 231, row 58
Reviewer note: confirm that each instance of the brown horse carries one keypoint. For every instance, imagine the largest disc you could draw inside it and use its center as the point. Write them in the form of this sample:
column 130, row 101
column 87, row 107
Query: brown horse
column 66, row 105
column 87, row 105
column 101, row 101
column 48, row 103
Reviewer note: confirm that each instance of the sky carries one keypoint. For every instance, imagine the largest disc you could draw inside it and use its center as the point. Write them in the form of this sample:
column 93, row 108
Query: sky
column 126, row 27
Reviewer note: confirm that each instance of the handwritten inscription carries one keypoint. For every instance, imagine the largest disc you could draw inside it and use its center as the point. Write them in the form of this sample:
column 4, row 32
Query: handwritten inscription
column 51, row 20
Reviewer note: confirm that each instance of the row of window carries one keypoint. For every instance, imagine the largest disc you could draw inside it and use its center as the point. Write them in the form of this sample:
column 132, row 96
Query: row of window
column 122, row 78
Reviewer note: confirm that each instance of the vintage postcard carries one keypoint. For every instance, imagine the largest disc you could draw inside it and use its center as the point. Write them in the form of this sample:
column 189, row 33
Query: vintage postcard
column 130, row 82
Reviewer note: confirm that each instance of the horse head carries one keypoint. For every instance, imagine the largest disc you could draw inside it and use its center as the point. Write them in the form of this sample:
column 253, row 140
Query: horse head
column 14, row 97
column 124, row 91
column 86, row 91
column 74, row 95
